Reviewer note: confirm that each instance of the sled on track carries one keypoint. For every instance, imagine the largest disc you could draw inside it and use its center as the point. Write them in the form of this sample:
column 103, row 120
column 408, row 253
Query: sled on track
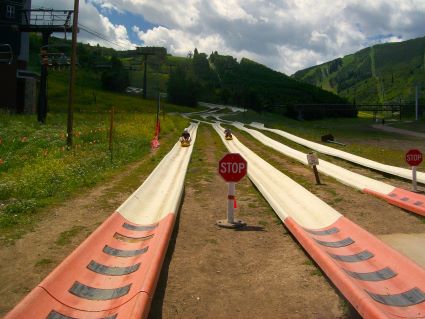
column 185, row 143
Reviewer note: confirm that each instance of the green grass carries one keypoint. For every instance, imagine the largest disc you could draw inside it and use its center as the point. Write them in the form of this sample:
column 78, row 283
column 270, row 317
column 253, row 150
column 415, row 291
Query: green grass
column 36, row 169
column 212, row 241
column 43, row 262
column 66, row 237
column 199, row 170
column 316, row 272
column 263, row 223
column 308, row 262
column 384, row 72
column 89, row 96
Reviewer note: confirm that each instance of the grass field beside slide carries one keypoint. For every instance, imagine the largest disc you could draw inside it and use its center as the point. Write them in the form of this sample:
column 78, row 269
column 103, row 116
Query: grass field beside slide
column 37, row 170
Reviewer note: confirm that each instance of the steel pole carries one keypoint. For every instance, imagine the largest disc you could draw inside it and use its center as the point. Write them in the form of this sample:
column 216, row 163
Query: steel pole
column 230, row 203
column 70, row 122
column 414, row 182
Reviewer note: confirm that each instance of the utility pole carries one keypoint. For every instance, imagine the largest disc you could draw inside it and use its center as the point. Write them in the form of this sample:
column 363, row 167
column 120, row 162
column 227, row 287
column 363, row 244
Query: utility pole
column 145, row 73
column 70, row 122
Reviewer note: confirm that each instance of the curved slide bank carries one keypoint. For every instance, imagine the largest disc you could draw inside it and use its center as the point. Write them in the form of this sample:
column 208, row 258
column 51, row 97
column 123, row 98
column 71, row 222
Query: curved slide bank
column 393, row 170
column 113, row 273
column 405, row 199
column 377, row 280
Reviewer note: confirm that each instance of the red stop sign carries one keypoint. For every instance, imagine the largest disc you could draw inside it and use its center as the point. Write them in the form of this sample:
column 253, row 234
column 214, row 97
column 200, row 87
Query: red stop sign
column 232, row 167
column 414, row 157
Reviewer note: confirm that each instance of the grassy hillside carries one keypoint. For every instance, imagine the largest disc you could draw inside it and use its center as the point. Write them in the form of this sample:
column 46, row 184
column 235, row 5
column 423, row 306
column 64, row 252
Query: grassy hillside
column 36, row 169
column 214, row 78
column 379, row 74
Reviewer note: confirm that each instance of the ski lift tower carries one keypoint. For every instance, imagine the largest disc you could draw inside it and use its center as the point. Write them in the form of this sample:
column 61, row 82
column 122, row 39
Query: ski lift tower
column 46, row 22
column 145, row 52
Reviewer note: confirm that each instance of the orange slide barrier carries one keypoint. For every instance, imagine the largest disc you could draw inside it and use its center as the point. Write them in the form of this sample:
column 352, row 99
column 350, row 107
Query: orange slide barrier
column 111, row 275
column 377, row 280
column 405, row 199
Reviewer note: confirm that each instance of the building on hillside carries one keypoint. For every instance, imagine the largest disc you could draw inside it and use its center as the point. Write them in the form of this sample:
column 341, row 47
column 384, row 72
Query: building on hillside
column 17, row 86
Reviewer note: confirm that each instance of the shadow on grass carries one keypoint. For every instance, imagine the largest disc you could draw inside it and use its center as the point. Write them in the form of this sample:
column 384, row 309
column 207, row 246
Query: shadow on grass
column 158, row 298
column 250, row 228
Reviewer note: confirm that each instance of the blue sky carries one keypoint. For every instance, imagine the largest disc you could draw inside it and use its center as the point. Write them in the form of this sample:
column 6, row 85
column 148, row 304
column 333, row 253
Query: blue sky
column 286, row 35
column 129, row 20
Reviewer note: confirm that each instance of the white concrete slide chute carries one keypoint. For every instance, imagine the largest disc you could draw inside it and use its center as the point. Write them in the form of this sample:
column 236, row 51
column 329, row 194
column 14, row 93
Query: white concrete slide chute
column 161, row 192
column 282, row 193
column 343, row 175
column 114, row 272
column 389, row 169
column 411, row 201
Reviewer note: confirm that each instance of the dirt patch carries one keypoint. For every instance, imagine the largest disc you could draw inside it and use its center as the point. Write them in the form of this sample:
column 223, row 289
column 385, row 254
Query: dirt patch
column 259, row 272
column 398, row 130
column 411, row 245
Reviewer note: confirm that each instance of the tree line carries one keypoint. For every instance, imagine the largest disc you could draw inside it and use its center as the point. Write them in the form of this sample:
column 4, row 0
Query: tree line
column 222, row 79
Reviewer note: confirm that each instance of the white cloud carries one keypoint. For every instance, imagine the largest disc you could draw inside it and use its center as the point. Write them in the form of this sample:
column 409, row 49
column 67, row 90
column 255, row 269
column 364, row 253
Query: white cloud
column 230, row 10
column 90, row 18
column 176, row 41
column 116, row 33
column 283, row 34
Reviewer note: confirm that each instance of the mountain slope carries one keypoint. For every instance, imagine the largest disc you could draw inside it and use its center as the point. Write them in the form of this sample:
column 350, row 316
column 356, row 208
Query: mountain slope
column 378, row 74
column 248, row 82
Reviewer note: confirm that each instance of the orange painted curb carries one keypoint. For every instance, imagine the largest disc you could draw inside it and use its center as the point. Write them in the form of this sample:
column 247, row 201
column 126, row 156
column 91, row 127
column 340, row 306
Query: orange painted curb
column 377, row 280
column 402, row 198
column 107, row 276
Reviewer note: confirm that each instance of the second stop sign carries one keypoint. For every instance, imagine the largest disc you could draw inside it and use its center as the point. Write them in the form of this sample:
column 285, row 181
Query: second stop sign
column 232, row 167
column 414, row 157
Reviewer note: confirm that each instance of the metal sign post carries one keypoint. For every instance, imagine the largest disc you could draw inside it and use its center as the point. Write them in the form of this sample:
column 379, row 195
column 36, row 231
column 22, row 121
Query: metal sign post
column 230, row 203
column 414, row 182
column 313, row 161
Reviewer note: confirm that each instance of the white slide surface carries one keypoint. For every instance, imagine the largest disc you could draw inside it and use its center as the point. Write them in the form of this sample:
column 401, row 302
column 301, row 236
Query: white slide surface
column 389, row 169
column 162, row 190
column 343, row 175
column 377, row 280
column 287, row 198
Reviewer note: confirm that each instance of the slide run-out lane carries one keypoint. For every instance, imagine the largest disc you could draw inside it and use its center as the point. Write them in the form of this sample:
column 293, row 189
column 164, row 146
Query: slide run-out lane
column 389, row 169
column 405, row 199
column 377, row 280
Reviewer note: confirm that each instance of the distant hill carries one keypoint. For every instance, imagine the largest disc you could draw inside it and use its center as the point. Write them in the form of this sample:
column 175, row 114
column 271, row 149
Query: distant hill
column 215, row 78
column 222, row 79
column 378, row 74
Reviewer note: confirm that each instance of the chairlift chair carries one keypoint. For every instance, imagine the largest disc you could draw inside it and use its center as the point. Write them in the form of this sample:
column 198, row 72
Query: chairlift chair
column 54, row 59
column 6, row 53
